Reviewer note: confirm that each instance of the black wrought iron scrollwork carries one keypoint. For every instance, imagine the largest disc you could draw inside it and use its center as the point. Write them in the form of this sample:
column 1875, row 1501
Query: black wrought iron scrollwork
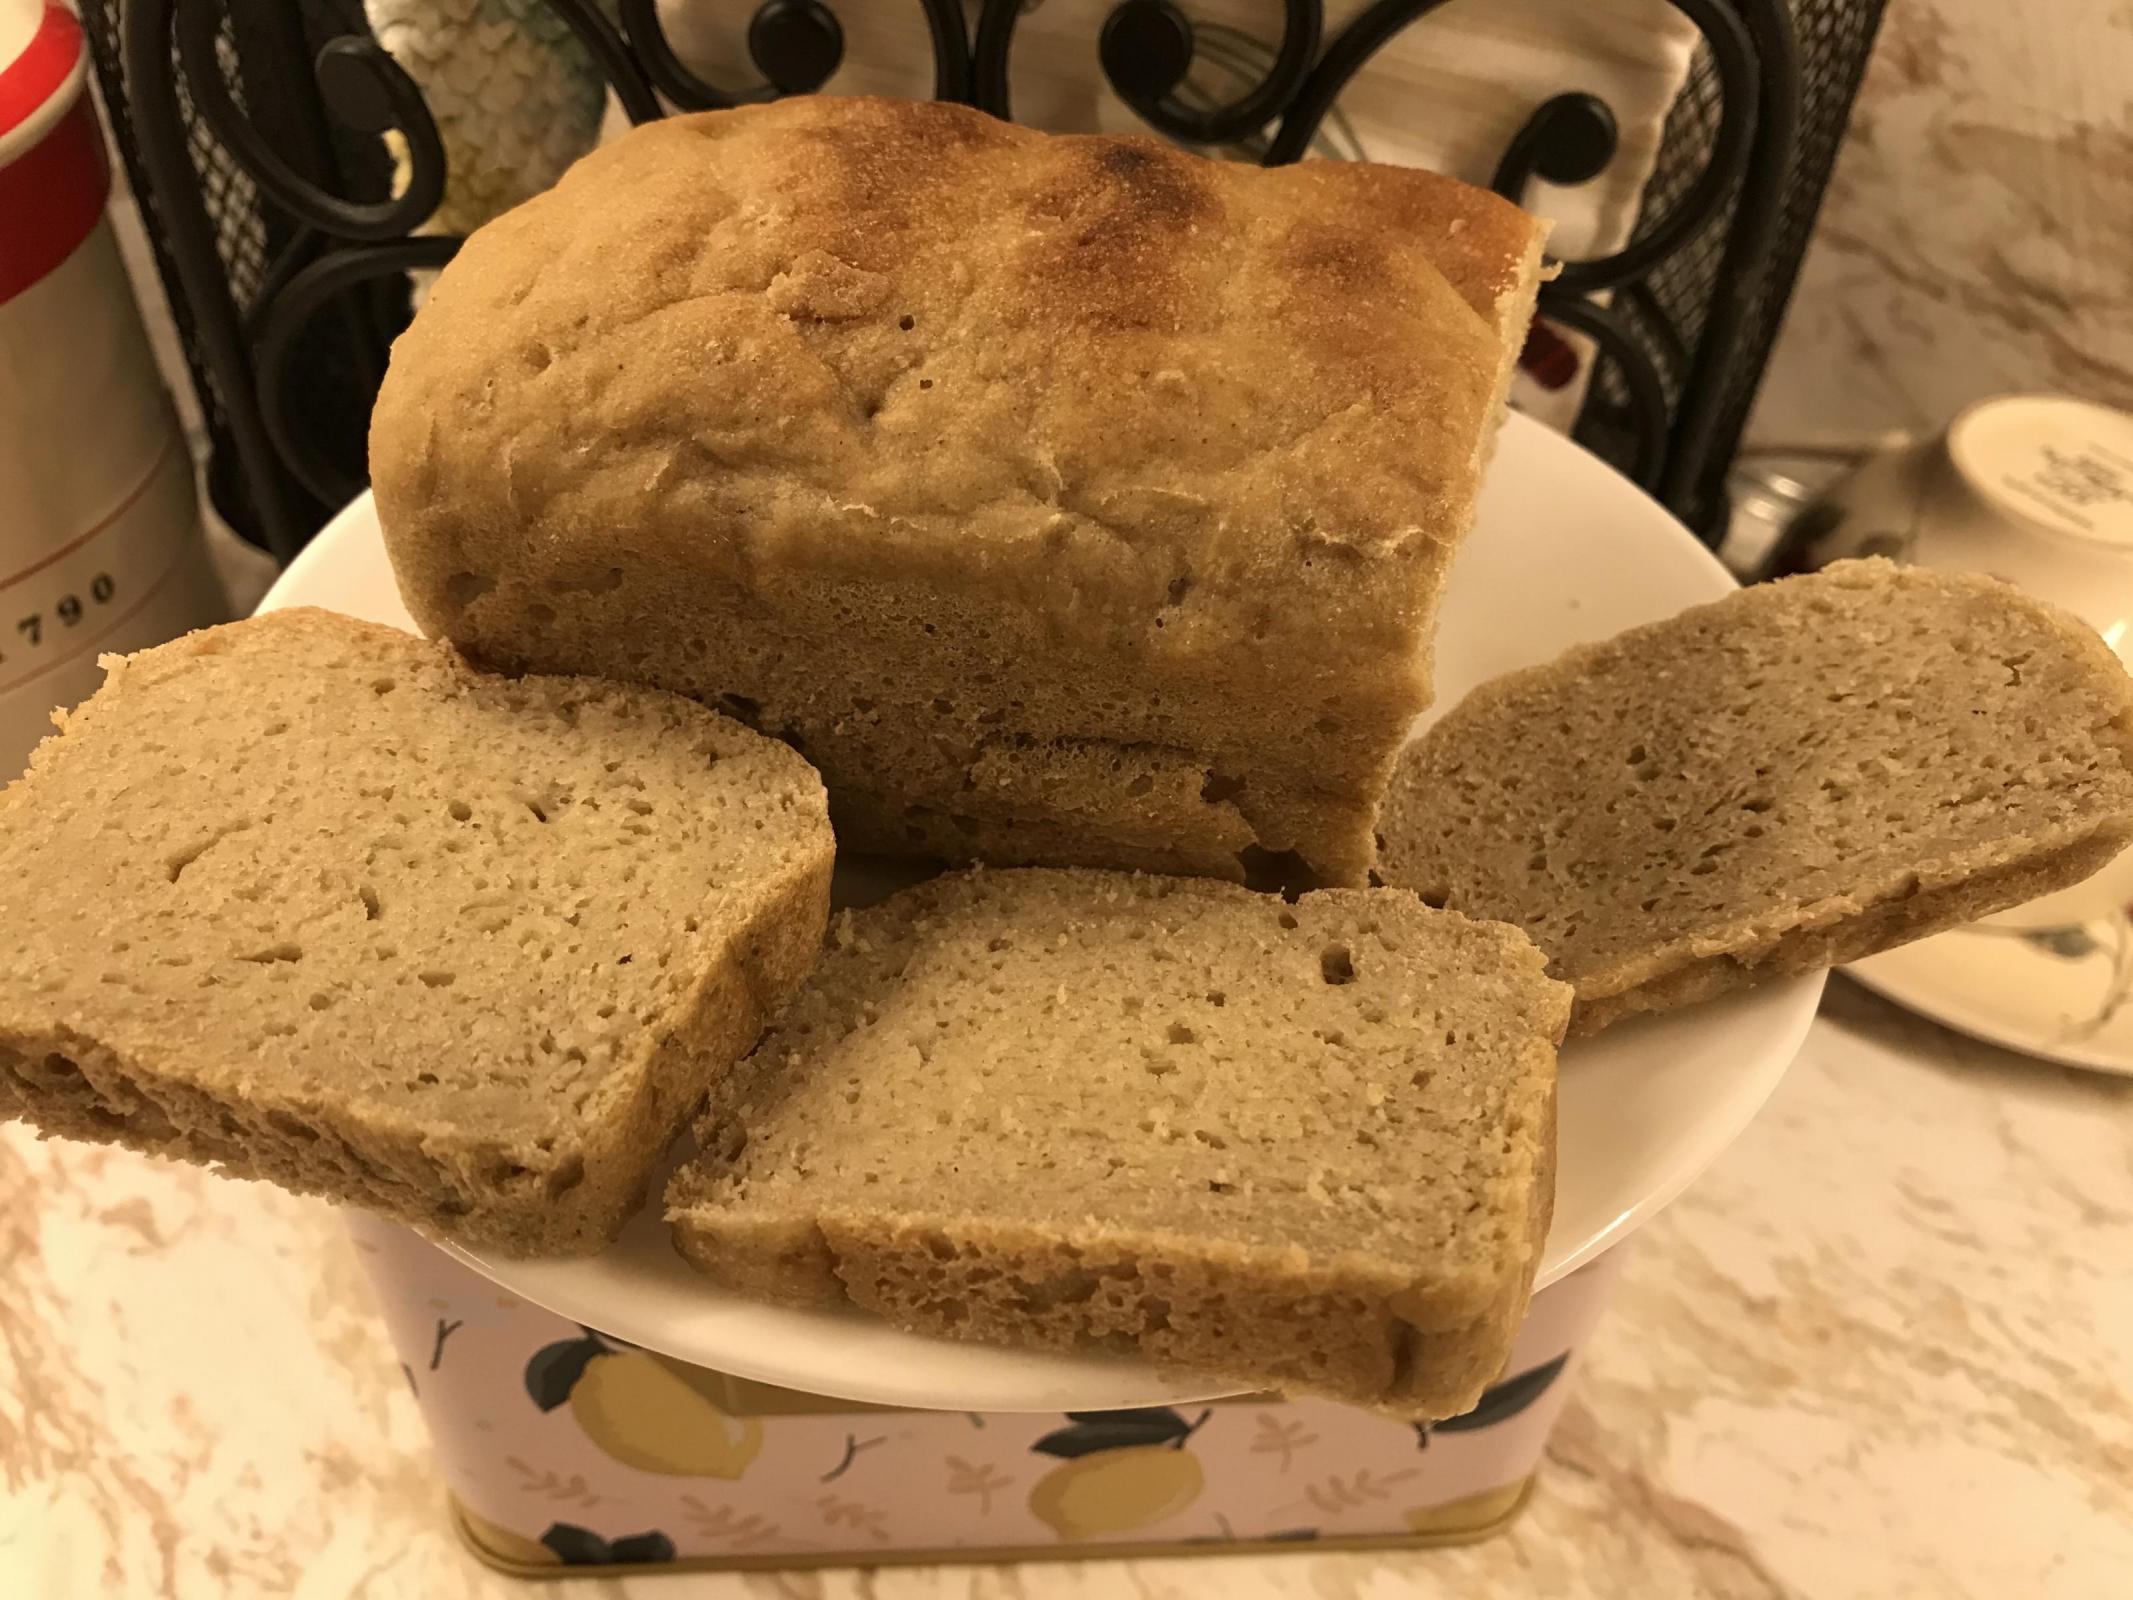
column 357, row 78
column 1640, row 379
column 308, row 291
column 611, row 58
column 1146, row 48
column 797, row 46
column 1569, row 140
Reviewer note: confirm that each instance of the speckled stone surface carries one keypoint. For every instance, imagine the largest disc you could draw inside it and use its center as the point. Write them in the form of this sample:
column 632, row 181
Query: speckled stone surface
column 1884, row 1347
column 1975, row 234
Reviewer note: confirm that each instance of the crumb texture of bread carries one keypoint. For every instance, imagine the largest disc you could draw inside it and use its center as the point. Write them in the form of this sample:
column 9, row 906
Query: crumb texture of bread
column 1010, row 476
column 313, row 900
column 1304, row 1145
column 1797, row 775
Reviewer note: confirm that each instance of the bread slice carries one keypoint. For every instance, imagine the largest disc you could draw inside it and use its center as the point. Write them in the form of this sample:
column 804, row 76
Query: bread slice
column 1307, row 1146
column 312, row 900
column 1800, row 774
column 1065, row 499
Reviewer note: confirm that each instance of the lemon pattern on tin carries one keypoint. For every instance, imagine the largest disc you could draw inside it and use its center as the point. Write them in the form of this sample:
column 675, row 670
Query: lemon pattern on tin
column 571, row 1449
column 1119, row 1472
column 645, row 1410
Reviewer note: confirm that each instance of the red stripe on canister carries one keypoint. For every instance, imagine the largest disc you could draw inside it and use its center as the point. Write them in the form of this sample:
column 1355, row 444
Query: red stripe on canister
column 42, row 69
column 52, row 195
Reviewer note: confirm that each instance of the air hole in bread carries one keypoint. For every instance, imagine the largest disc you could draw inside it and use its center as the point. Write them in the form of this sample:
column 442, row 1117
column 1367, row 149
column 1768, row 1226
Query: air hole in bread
column 1219, row 788
column 741, row 708
column 1179, row 1033
column 438, row 980
column 1216, row 1186
column 1282, row 872
column 321, row 1002
column 539, row 815
column 925, row 383
column 1336, row 964
column 462, row 589
column 1140, row 786
column 382, row 686
column 1637, row 755
column 460, row 810
column 1436, row 897
column 1286, row 920
column 274, row 953
column 541, row 616
column 1215, row 997
column 907, row 322
column 537, row 355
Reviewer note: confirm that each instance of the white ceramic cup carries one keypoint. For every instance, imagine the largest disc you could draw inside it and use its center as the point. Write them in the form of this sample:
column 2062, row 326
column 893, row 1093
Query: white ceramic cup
column 2038, row 489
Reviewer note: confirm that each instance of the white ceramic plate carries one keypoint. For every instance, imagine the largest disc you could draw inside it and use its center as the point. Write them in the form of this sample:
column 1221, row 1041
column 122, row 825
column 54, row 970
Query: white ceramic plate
column 1565, row 551
column 2064, row 994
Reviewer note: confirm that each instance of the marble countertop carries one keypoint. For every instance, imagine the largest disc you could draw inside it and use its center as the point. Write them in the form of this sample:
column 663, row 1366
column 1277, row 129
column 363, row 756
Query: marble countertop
column 1885, row 1347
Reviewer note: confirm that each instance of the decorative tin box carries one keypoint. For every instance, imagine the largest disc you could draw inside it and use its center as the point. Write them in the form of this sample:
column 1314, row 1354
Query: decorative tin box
column 564, row 1448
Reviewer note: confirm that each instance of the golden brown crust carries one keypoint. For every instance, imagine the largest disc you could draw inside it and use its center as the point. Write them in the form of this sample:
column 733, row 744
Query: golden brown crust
column 828, row 402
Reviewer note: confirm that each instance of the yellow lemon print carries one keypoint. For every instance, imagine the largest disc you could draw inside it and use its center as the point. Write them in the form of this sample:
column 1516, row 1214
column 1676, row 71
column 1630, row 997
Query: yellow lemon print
column 647, row 1412
column 1123, row 1471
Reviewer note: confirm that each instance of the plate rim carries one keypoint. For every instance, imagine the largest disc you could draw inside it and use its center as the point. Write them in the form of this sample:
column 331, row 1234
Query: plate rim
column 1784, row 1030
column 1884, row 979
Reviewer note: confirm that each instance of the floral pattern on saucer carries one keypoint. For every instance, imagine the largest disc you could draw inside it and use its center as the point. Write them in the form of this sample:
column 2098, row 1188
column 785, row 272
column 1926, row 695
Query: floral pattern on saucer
column 2064, row 994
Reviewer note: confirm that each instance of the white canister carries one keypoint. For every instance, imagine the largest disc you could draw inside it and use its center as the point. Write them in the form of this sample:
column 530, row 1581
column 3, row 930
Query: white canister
column 100, row 538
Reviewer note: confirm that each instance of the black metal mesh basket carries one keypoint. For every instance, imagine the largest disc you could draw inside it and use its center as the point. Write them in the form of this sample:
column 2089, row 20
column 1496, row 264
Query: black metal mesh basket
column 249, row 129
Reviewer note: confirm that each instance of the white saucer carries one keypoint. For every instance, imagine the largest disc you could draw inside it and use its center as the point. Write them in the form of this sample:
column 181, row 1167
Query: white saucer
column 1565, row 551
column 2065, row 994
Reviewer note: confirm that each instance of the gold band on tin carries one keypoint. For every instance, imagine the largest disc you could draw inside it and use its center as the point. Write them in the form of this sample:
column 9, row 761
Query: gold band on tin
column 1465, row 1521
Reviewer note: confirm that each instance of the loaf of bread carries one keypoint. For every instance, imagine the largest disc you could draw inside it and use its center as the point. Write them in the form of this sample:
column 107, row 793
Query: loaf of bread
column 1307, row 1146
column 1063, row 499
column 1800, row 774
column 309, row 899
